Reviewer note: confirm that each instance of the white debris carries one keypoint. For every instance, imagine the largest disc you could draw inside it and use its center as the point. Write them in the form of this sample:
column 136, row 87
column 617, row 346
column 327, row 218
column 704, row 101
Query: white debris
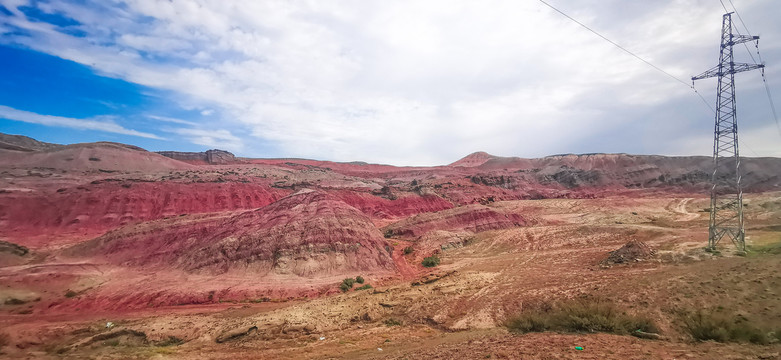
column 379, row 349
column 322, row 338
column 109, row 325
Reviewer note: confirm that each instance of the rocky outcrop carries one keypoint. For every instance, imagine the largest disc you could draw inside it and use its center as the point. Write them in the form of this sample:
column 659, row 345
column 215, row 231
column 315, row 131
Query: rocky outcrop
column 211, row 157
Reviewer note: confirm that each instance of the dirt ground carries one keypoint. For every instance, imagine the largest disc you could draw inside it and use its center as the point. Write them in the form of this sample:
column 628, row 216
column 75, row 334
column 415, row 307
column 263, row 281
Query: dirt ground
column 455, row 310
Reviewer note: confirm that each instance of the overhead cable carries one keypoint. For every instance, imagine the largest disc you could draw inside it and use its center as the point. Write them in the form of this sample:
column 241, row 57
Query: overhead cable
column 632, row 54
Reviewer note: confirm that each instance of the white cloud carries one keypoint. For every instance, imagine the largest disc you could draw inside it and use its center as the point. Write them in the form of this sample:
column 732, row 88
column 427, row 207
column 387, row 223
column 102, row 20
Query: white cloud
column 106, row 124
column 171, row 120
column 220, row 138
column 408, row 82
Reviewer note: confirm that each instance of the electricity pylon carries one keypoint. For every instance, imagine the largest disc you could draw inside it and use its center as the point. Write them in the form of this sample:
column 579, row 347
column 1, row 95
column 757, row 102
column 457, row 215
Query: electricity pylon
column 726, row 201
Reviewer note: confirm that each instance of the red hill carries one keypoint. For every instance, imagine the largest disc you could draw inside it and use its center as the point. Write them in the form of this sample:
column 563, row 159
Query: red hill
column 309, row 234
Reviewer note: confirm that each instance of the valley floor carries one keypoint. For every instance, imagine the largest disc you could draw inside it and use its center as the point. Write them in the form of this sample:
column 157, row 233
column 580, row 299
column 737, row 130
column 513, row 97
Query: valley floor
column 455, row 310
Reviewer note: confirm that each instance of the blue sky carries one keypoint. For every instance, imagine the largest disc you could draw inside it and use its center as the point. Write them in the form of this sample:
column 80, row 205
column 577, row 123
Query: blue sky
column 403, row 82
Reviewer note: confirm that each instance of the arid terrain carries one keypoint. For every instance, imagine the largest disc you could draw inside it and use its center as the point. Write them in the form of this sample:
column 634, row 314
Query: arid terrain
column 109, row 251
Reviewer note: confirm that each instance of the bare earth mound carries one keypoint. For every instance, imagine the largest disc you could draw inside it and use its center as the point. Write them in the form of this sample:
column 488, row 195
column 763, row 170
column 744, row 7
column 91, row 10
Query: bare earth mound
column 632, row 251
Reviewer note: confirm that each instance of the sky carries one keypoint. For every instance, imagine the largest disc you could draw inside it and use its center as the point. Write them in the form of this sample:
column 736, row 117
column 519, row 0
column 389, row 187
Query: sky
column 397, row 82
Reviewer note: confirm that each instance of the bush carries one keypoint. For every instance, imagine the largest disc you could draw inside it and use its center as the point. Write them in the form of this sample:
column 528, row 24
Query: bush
column 430, row 261
column 70, row 293
column 580, row 316
column 359, row 279
column 365, row 287
column 408, row 250
column 347, row 284
column 392, row 322
column 707, row 325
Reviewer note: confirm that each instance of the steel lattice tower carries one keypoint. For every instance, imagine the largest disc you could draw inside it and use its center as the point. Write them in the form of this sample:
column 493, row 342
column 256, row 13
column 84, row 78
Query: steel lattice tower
column 726, row 202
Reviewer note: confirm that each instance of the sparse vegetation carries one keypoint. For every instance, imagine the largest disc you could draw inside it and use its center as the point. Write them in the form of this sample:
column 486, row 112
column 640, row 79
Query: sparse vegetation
column 170, row 341
column 408, row 250
column 70, row 294
column 359, row 279
column 392, row 322
column 347, row 284
column 365, row 287
column 706, row 325
column 771, row 249
column 580, row 315
column 4, row 340
column 431, row 261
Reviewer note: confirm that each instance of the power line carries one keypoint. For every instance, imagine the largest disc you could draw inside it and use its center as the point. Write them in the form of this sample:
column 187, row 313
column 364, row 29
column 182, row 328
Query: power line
column 764, row 79
column 772, row 104
column 632, row 54
column 735, row 10
column 739, row 17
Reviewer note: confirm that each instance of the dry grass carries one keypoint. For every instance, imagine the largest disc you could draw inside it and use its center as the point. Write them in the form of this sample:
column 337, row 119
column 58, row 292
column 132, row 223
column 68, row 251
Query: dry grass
column 580, row 315
column 706, row 325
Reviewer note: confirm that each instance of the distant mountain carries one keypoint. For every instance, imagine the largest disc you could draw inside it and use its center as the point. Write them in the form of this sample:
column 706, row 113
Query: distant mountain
column 211, row 157
column 24, row 143
column 625, row 170
column 86, row 156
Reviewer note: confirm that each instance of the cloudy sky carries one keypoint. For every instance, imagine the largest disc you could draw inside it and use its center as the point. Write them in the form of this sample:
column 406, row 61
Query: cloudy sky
column 400, row 82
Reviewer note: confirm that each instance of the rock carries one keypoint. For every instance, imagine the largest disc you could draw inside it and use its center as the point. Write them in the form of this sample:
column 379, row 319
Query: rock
column 647, row 335
column 236, row 333
column 13, row 249
column 120, row 336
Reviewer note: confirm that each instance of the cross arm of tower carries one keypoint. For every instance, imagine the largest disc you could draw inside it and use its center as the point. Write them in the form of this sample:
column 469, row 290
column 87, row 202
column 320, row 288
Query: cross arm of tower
column 718, row 70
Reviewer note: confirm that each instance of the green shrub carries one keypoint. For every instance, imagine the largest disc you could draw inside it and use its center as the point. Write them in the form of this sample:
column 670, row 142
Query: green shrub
column 408, row 250
column 392, row 322
column 347, row 284
column 430, row 261
column 584, row 315
column 706, row 325
column 359, row 279
column 365, row 287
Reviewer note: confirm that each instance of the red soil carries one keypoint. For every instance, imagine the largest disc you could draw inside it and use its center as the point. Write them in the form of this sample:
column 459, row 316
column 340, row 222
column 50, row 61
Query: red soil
column 473, row 218
column 308, row 234
column 102, row 206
